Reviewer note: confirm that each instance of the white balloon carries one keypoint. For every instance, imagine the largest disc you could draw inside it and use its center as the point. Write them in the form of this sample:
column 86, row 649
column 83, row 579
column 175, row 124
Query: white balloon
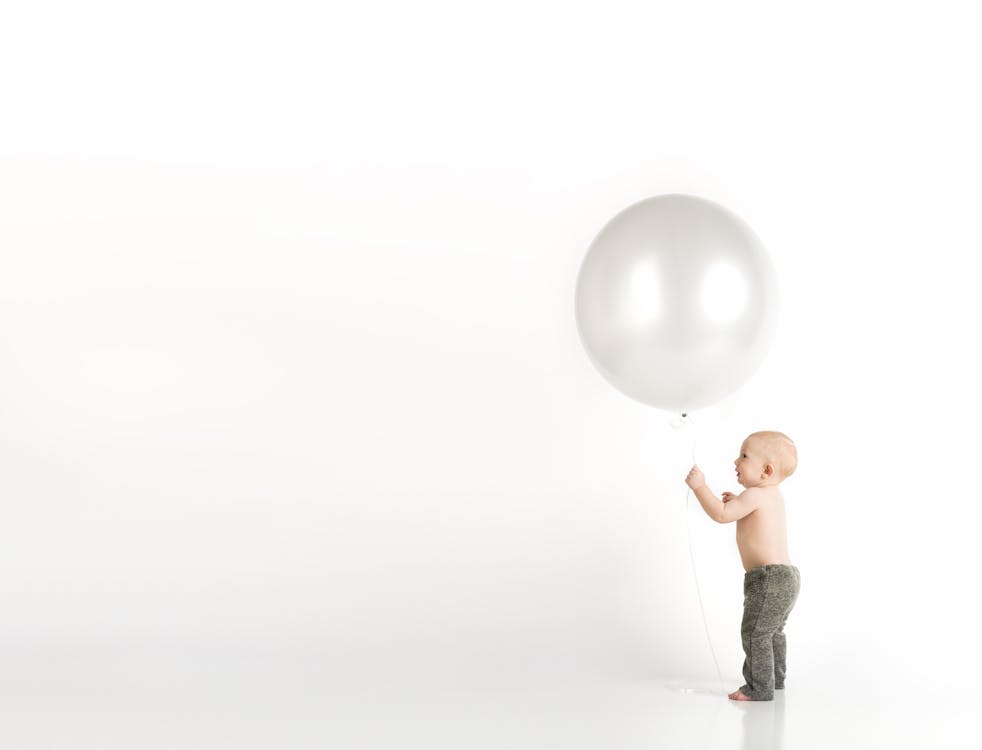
column 676, row 302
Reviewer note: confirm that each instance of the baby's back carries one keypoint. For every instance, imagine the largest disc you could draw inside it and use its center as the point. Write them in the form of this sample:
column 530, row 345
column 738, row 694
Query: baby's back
column 762, row 536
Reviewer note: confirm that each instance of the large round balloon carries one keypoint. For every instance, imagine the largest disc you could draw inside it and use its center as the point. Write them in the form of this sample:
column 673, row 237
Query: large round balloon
column 676, row 302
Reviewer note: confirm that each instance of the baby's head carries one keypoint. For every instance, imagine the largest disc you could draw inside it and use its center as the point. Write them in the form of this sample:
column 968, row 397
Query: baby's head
column 766, row 458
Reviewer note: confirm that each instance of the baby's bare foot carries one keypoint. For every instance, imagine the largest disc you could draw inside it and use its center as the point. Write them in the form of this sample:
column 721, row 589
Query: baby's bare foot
column 736, row 695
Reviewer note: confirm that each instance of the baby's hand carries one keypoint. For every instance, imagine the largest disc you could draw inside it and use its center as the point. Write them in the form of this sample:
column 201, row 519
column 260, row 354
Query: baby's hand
column 727, row 496
column 695, row 479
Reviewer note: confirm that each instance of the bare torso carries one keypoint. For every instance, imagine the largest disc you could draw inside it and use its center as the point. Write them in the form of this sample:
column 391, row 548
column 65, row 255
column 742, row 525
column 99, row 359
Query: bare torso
column 762, row 536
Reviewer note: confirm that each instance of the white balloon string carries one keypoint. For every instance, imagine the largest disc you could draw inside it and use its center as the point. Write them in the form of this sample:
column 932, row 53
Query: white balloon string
column 692, row 558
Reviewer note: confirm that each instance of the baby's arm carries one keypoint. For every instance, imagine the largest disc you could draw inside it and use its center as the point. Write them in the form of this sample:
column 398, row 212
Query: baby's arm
column 731, row 508
column 713, row 506
column 737, row 506
column 709, row 502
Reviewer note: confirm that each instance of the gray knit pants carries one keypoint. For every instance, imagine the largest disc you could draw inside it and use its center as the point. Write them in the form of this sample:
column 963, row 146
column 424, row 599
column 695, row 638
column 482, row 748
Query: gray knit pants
column 769, row 593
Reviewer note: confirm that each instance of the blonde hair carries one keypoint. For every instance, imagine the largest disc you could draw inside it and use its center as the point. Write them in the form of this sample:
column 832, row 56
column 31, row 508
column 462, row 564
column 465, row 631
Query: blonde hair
column 778, row 449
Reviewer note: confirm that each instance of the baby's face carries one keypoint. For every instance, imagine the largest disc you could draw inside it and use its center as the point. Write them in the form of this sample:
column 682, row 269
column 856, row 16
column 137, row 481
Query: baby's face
column 750, row 464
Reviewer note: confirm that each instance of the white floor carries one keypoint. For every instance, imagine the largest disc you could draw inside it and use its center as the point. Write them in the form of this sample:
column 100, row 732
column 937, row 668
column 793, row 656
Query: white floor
column 183, row 697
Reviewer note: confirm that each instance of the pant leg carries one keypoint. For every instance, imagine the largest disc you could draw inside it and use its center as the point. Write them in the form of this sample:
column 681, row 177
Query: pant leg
column 780, row 647
column 769, row 594
column 758, row 652
column 780, row 642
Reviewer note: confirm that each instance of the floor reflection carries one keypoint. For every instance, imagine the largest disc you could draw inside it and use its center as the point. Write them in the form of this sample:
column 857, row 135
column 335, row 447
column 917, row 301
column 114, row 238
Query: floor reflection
column 258, row 699
column 763, row 723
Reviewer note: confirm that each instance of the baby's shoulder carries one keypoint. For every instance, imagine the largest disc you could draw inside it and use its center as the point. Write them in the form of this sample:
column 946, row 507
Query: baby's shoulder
column 764, row 494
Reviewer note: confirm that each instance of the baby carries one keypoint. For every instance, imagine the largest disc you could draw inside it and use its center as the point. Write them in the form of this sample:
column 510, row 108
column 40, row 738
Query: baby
column 771, row 582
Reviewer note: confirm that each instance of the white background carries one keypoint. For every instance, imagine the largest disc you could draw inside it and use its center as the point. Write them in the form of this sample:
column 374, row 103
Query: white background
column 290, row 367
